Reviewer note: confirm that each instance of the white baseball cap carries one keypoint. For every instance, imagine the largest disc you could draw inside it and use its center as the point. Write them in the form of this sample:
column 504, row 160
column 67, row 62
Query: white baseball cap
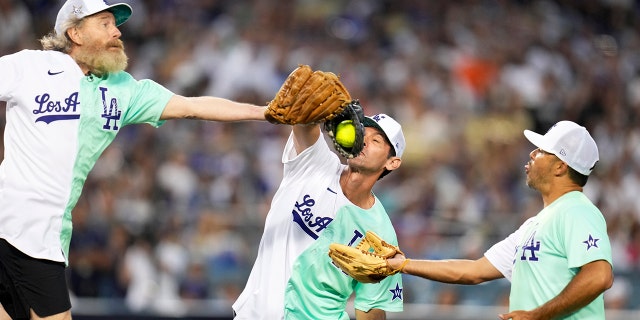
column 391, row 129
column 571, row 143
column 82, row 8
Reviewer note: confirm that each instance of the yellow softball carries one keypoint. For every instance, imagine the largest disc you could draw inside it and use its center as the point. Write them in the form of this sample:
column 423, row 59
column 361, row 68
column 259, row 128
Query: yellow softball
column 346, row 133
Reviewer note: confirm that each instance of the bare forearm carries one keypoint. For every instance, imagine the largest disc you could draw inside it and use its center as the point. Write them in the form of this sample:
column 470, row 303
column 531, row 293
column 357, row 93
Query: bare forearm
column 584, row 288
column 566, row 302
column 305, row 136
column 592, row 280
column 447, row 271
column 211, row 108
column 450, row 271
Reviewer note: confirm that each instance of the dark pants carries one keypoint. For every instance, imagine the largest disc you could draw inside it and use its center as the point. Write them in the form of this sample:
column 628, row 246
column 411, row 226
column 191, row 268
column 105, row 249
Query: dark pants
column 28, row 283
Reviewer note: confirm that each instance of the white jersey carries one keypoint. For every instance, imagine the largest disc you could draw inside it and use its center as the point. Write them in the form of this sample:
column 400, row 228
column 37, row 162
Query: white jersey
column 305, row 203
column 502, row 254
column 58, row 123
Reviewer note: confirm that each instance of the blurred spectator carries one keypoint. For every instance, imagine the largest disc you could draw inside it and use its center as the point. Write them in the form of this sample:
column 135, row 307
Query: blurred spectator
column 218, row 246
column 172, row 262
column 618, row 296
column 178, row 180
column 140, row 273
column 16, row 32
column 89, row 250
column 464, row 77
column 195, row 284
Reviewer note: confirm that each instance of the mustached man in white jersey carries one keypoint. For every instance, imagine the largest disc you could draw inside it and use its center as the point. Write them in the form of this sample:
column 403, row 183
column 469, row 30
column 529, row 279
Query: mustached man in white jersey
column 321, row 201
column 559, row 261
column 65, row 105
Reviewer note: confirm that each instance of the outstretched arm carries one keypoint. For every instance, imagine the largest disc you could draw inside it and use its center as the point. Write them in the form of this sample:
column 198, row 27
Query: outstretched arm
column 210, row 108
column 449, row 271
column 591, row 281
column 305, row 136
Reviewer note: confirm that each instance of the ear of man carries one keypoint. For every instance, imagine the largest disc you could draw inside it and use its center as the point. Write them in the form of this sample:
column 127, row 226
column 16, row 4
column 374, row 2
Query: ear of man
column 393, row 163
column 74, row 34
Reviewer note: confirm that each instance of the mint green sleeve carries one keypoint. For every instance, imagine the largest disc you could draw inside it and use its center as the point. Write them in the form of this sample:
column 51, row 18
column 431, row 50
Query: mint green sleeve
column 586, row 238
column 148, row 101
column 387, row 295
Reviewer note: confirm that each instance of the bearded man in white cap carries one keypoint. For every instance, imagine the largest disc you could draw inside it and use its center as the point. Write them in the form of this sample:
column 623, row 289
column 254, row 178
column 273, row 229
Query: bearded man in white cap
column 559, row 261
column 65, row 105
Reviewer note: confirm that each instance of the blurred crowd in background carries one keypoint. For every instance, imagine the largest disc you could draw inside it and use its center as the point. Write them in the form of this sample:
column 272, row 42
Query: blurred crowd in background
column 175, row 214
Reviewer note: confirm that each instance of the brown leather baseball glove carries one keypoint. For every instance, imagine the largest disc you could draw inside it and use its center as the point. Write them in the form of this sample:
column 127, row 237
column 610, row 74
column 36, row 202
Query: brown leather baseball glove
column 367, row 262
column 308, row 97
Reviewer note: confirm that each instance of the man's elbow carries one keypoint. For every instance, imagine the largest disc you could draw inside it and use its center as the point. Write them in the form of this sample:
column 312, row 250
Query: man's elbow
column 604, row 279
column 470, row 278
column 474, row 280
column 179, row 107
column 608, row 281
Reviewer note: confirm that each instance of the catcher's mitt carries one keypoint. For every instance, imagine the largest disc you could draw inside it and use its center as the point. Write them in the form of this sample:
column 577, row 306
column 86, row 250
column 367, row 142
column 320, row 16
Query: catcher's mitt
column 308, row 97
column 352, row 111
column 367, row 262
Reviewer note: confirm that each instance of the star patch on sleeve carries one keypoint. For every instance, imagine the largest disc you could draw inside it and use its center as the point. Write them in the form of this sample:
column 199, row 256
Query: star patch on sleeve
column 591, row 242
column 397, row 292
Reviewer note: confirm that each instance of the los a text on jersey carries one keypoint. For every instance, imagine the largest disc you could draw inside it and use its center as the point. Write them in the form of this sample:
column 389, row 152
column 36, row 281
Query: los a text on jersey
column 302, row 215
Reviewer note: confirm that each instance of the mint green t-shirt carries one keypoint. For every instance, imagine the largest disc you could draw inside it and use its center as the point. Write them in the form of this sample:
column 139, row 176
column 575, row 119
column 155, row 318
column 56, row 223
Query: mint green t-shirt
column 107, row 105
column 564, row 236
column 318, row 289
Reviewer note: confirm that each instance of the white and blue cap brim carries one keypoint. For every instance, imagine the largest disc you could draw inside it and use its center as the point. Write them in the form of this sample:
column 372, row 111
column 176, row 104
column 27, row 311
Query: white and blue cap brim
column 391, row 129
column 84, row 8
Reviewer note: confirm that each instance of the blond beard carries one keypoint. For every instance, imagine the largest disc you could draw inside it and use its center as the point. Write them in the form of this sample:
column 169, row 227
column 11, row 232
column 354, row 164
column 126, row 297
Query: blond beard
column 101, row 61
